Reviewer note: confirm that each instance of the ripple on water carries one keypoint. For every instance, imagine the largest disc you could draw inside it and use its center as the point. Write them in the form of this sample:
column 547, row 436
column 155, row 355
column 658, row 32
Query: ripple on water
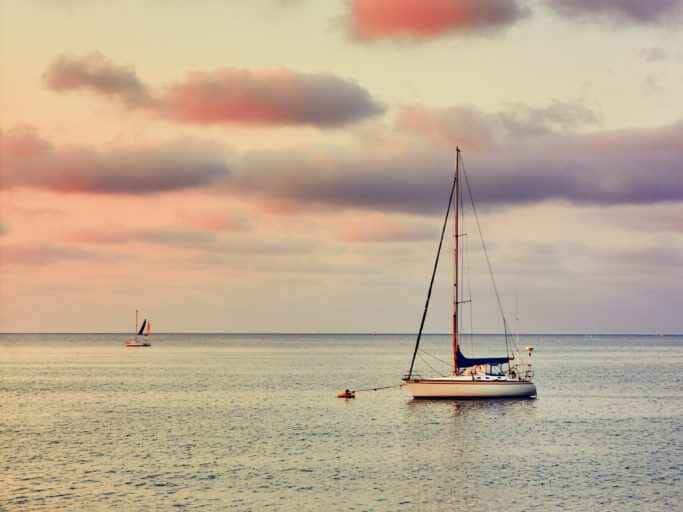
column 215, row 423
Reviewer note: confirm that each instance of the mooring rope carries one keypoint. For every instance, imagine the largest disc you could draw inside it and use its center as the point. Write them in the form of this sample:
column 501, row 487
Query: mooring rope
column 377, row 389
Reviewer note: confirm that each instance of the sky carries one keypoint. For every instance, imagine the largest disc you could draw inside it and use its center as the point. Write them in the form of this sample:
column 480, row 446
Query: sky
column 284, row 165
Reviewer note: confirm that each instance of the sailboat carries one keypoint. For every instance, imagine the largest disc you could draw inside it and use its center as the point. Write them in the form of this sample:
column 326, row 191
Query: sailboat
column 469, row 377
column 145, row 330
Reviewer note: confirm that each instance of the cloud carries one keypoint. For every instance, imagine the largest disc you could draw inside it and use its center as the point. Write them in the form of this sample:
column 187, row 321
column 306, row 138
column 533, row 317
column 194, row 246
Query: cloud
column 424, row 19
column 622, row 167
column 33, row 162
column 224, row 96
column 653, row 54
column 466, row 126
column 382, row 229
column 520, row 119
column 648, row 12
column 648, row 259
column 402, row 174
column 23, row 141
column 40, row 254
column 662, row 220
column 162, row 237
column 203, row 242
column 478, row 130
column 651, row 86
column 277, row 97
column 97, row 74
column 216, row 221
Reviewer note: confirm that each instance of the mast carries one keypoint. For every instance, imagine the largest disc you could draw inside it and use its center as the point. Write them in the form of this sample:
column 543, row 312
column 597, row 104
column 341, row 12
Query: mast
column 431, row 282
column 456, row 257
column 136, row 321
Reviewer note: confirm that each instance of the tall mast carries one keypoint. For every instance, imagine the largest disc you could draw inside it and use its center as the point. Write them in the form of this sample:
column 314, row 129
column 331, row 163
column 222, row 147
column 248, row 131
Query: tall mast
column 136, row 321
column 431, row 281
column 456, row 257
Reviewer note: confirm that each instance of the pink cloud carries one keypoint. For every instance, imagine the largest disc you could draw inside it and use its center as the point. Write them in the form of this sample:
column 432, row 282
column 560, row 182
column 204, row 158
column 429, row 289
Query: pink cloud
column 422, row 19
column 267, row 97
column 225, row 95
column 29, row 160
column 215, row 221
column 23, row 142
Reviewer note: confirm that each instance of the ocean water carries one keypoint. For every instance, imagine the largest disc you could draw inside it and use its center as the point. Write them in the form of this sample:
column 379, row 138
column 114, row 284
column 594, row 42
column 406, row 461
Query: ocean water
column 236, row 422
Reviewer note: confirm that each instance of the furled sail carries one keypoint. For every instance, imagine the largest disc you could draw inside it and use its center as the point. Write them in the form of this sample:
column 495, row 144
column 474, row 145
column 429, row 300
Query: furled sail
column 467, row 362
column 142, row 327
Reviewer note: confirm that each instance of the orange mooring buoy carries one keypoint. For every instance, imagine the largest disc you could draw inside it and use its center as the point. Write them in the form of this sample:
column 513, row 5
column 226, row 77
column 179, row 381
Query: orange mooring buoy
column 347, row 393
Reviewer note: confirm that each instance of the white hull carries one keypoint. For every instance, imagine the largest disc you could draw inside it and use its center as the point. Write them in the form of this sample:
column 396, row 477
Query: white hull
column 466, row 387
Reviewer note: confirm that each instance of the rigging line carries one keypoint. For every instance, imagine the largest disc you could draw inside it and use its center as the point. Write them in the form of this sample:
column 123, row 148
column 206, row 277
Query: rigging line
column 431, row 282
column 515, row 338
column 486, row 254
column 434, row 370
column 469, row 293
column 423, row 351
column 467, row 275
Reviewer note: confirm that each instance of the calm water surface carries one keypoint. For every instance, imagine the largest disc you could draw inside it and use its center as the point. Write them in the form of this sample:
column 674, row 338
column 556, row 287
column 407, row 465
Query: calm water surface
column 229, row 422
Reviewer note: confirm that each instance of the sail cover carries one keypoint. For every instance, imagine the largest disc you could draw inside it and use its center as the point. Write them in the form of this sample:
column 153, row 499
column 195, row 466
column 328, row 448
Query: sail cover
column 142, row 327
column 467, row 362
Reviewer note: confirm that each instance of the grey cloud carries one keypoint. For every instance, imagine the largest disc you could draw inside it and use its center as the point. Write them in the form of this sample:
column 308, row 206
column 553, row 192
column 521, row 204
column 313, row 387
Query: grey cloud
column 472, row 127
column 625, row 167
column 97, row 74
column 663, row 257
column 520, row 119
column 224, row 96
column 664, row 220
column 644, row 12
column 32, row 161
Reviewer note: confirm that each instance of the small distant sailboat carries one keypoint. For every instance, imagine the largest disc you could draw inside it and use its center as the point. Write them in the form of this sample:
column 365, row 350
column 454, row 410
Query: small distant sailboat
column 481, row 377
column 145, row 330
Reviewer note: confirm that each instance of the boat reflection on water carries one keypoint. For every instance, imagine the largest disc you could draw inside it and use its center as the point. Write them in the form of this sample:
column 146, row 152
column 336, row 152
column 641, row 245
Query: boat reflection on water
column 460, row 407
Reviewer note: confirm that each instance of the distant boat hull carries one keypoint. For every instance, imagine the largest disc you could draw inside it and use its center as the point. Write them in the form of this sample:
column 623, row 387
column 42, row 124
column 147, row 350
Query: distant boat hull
column 467, row 387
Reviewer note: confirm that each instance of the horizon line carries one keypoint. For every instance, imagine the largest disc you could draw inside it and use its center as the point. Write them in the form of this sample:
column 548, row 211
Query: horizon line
column 360, row 333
